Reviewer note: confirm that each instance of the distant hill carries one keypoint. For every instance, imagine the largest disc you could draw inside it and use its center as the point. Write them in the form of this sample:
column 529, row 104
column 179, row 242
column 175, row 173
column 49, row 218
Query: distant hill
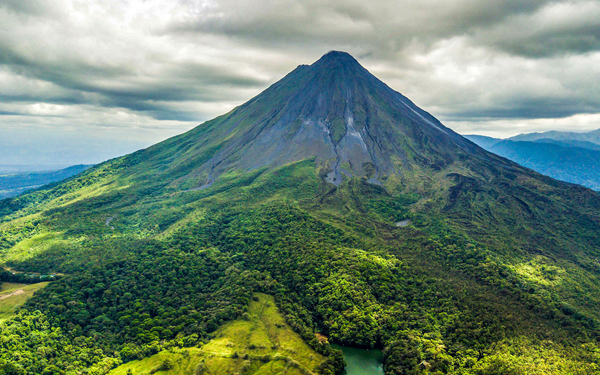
column 572, row 161
column 570, row 143
column 28, row 168
column 565, row 137
column 12, row 184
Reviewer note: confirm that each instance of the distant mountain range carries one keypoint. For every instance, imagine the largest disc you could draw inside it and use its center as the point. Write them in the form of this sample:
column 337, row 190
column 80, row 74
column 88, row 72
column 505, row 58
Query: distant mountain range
column 565, row 137
column 566, row 156
column 12, row 184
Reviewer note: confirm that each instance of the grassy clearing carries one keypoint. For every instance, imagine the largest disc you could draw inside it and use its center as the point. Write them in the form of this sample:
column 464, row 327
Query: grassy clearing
column 34, row 245
column 13, row 295
column 261, row 344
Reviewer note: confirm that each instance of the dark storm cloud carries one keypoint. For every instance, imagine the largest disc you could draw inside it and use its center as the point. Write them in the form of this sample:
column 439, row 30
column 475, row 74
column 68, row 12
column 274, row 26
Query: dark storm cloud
column 155, row 65
column 557, row 28
column 531, row 109
column 128, row 86
column 29, row 7
column 378, row 26
column 573, row 41
column 394, row 33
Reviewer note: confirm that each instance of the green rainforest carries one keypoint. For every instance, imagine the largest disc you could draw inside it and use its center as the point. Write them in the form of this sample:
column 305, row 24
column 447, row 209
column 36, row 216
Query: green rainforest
column 182, row 259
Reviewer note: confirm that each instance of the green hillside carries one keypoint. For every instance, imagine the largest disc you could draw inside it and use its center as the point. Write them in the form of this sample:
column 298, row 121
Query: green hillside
column 260, row 342
column 451, row 259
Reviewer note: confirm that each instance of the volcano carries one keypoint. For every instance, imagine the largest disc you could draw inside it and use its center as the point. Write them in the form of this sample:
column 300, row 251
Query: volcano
column 339, row 113
column 334, row 110
column 327, row 209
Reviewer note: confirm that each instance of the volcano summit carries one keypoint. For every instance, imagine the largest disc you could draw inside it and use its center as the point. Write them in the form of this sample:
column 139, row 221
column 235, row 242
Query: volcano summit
column 327, row 209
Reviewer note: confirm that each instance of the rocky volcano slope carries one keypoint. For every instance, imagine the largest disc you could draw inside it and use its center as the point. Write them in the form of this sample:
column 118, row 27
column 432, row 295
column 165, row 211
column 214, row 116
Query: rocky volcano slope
column 336, row 111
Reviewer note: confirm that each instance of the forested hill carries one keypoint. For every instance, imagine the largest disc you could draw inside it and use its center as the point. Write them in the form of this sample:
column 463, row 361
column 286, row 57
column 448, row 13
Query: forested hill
column 369, row 222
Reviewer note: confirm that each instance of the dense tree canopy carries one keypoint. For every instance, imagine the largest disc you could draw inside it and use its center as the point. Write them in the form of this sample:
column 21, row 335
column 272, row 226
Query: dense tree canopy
column 170, row 271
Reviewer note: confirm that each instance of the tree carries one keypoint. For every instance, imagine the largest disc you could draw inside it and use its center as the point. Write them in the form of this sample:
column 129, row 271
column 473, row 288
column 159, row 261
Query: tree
column 403, row 357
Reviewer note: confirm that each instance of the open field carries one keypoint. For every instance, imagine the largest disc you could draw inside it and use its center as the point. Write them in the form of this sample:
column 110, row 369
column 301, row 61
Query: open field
column 13, row 295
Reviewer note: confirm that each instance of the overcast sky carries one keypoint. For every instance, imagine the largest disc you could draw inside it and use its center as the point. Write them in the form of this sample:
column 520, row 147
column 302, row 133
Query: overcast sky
column 82, row 81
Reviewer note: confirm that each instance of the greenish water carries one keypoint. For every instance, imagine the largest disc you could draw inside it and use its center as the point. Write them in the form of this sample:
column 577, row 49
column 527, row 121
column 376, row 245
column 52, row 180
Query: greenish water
column 362, row 361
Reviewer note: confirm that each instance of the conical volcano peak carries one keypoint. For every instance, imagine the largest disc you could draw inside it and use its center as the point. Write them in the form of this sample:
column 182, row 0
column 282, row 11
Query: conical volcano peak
column 335, row 111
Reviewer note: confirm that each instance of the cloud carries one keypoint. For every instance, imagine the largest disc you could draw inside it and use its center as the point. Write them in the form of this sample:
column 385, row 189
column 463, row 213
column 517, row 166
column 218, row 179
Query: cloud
column 460, row 80
column 557, row 28
column 171, row 65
